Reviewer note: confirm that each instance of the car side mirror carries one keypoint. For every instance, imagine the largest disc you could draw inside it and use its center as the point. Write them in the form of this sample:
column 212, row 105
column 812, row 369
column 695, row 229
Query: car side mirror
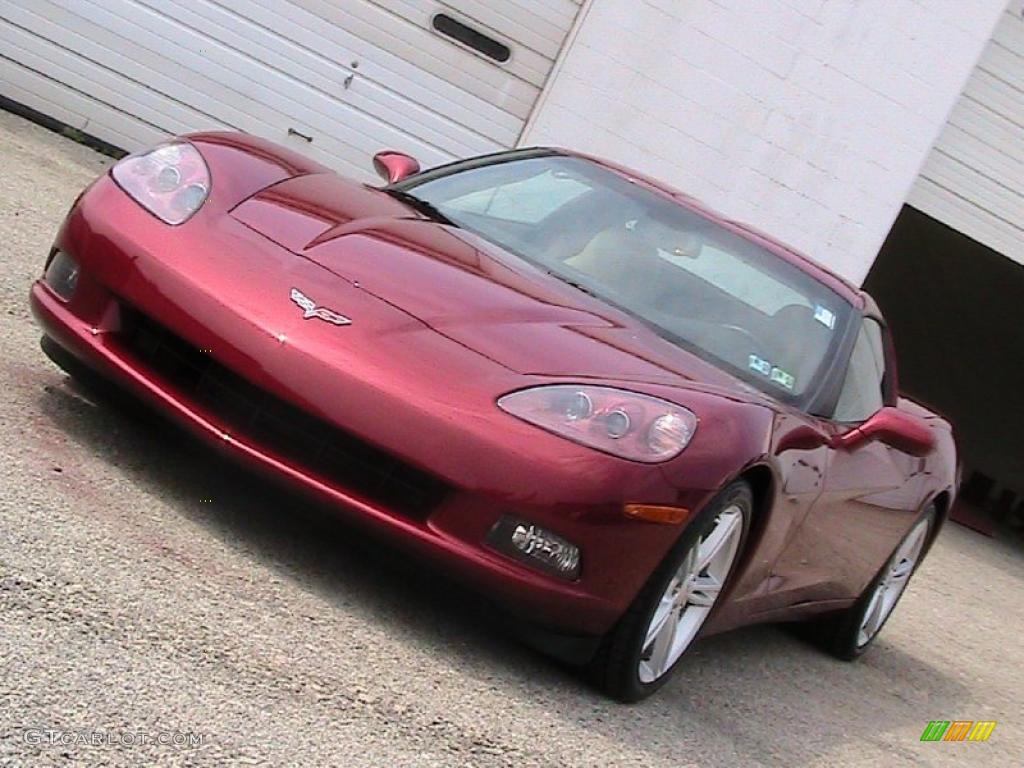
column 395, row 166
column 893, row 427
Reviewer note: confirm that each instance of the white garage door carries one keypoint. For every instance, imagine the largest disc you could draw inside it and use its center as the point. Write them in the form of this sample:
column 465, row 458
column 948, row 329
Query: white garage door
column 973, row 179
column 337, row 79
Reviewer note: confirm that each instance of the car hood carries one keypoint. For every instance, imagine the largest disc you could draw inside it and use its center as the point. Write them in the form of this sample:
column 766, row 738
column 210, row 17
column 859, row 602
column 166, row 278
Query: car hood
column 466, row 288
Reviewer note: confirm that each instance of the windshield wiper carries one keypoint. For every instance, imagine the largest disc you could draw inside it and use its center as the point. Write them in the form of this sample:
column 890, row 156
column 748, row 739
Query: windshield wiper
column 573, row 283
column 429, row 210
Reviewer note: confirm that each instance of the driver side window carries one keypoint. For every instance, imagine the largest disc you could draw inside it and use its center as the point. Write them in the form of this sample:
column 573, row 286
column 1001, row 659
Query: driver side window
column 862, row 395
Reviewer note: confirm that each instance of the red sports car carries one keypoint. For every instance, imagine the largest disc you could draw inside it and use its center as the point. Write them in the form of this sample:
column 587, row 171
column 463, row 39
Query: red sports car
column 625, row 418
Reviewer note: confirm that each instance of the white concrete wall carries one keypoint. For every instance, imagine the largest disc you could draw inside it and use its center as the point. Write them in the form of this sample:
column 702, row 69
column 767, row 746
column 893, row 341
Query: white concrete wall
column 809, row 119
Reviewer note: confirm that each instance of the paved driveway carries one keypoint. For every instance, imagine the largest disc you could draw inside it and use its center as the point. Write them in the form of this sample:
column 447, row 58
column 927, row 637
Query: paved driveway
column 130, row 605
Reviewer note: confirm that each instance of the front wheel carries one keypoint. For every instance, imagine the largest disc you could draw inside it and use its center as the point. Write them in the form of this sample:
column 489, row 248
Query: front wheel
column 640, row 654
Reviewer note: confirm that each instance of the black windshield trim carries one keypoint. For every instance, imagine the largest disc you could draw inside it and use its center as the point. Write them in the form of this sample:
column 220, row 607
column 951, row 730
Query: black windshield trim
column 457, row 166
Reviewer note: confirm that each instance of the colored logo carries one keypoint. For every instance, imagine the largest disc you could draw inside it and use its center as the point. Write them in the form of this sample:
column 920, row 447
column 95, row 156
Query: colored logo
column 958, row 730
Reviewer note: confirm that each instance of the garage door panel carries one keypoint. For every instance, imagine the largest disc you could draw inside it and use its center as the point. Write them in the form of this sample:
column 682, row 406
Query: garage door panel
column 196, row 75
column 558, row 13
column 76, row 109
column 968, row 182
column 75, row 29
column 997, row 95
column 432, row 54
column 382, row 84
column 530, row 32
column 387, row 69
column 1002, row 61
column 549, row 18
column 382, row 67
column 364, row 96
column 939, row 203
column 973, row 179
column 51, row 49
column 275, row 101
column 247, row 81
column 1008, row 34
column 529, row 26
column 982, row 156
column 85, row 77
column 977, row 119
column 524, row 63
column 355, row 77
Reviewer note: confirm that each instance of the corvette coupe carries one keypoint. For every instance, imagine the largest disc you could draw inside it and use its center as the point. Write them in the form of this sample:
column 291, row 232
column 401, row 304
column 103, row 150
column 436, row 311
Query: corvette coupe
column 626, row 419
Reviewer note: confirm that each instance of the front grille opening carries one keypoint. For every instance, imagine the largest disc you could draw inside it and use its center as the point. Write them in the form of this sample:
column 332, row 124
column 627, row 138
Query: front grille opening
column 264, row 420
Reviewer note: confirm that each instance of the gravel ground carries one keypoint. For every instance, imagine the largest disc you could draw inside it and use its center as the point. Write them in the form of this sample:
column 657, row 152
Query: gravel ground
column 129, row 604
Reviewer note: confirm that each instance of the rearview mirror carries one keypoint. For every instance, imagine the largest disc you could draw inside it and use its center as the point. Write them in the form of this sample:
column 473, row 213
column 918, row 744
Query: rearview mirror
column 394, row 166
column 895, row 428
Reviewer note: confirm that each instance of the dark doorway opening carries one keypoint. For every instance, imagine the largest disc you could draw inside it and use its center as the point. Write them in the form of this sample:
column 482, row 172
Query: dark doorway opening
column 956, row 309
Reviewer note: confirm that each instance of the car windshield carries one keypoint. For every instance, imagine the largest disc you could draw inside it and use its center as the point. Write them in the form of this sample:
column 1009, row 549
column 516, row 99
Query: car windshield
column 707, row 289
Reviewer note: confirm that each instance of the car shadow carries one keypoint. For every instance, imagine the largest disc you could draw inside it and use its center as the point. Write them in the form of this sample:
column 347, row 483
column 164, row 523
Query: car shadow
column 731, row 685
column 298, row 537
column 742, row 682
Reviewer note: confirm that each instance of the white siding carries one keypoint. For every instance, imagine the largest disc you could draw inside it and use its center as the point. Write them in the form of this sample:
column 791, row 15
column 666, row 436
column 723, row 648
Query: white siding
column 356, row 76
column 809, row 119
column 973, row 179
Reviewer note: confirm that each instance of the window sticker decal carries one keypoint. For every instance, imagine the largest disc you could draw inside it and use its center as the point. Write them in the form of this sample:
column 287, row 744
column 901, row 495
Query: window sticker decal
column 783, row 378
column 825, row 316
column 760, row 365
column 773, row 372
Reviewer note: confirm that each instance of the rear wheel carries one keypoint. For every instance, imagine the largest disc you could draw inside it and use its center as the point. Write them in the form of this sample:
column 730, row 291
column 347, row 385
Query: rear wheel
column 849, row 634
column 640, row 654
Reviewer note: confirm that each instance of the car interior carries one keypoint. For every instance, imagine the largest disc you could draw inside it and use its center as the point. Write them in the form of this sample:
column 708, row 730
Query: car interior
column 654, row 258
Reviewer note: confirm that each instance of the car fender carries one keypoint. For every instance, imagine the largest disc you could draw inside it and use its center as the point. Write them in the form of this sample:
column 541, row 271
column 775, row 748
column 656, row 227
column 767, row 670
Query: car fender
column 241, row 165
column 732, row 436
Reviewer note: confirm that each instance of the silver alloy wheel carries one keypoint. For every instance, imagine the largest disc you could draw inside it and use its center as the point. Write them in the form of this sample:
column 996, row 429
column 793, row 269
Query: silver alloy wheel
column 894, row 580
column 690, row 595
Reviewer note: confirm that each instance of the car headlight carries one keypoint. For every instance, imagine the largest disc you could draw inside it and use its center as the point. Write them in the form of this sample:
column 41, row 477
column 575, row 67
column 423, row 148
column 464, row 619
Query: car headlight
column 170, row 181
column 622, row 423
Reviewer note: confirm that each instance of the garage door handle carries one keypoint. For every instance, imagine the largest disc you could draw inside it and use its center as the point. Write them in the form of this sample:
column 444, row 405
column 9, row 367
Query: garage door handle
column 293, row 132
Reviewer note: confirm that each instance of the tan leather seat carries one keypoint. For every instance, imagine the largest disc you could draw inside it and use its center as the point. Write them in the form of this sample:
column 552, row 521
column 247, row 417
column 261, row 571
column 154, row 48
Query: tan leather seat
column 622, row 260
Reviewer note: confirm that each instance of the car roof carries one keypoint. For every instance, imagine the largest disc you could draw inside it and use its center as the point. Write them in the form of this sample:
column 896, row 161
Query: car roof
column 843, row 287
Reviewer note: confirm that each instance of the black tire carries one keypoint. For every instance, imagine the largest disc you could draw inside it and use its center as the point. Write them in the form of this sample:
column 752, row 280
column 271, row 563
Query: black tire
column 615, row 666
column 838, row 633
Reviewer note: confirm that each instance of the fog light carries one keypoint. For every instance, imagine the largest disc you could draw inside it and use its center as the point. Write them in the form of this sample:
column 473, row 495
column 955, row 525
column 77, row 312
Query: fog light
column 62, row 275
column 536, row 546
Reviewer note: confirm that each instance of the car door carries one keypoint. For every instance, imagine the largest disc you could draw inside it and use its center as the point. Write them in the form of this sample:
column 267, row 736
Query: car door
column 869, row 492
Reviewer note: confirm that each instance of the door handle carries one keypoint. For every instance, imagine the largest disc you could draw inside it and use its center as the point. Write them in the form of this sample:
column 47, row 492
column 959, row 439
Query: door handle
column 293, row 132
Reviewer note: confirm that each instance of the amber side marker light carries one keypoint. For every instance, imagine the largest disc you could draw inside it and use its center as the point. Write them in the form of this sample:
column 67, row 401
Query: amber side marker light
column 657, row 514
